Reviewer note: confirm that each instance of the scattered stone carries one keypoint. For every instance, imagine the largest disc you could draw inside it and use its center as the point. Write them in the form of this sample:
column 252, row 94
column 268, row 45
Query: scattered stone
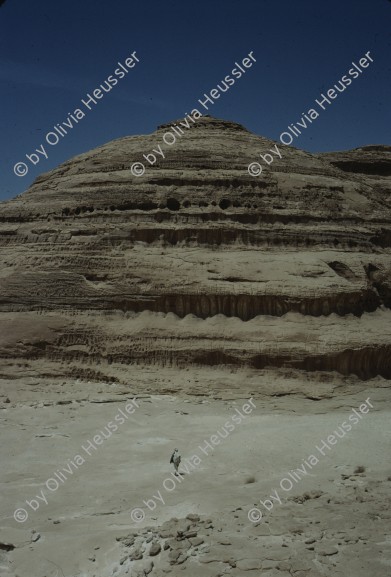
column 284, row 566
column 327, row 550
column 210, row 558
column 224, row 542
column 148, row 566
column 123, row 559
column 127, row 541
column 249, row 564
column 183, row 526
column 174, row 556
column 155, row 549
column 174, row 544
column 300, row 566
column 261, row 529
column 307, row 496
column 136, row 554
column 143, row 568
column 249, row 480
column 181, row 559
column 196, row 541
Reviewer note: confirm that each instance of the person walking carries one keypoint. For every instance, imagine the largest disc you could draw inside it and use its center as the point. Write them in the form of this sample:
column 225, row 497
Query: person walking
column 175, row 460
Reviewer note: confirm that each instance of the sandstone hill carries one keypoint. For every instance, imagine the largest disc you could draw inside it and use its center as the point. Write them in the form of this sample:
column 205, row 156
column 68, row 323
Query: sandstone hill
column 197, row 263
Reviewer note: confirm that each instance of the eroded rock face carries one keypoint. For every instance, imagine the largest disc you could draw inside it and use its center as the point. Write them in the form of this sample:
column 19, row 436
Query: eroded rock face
column 369, row 160
column 90, row 248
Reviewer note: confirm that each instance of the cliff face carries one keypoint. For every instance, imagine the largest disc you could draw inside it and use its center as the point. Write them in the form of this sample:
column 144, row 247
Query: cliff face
column 295, row 263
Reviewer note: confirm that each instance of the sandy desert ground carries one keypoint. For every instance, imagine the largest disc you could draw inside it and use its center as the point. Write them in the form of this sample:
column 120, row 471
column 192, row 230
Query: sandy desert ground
column 334, row 520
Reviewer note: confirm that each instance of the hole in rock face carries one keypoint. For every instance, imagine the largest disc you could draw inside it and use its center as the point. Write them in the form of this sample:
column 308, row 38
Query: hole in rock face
column 159, row 216
column 342, row 270
column 224, row 203
column 370, row 269
column 173, row 204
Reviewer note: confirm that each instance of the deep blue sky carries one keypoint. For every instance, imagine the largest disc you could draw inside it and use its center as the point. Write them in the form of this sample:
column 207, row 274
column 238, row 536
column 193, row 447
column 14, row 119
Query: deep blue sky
column 52, row 53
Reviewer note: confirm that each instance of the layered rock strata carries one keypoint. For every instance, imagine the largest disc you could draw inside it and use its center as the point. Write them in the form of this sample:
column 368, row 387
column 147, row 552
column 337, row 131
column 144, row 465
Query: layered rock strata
column 197, row 262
